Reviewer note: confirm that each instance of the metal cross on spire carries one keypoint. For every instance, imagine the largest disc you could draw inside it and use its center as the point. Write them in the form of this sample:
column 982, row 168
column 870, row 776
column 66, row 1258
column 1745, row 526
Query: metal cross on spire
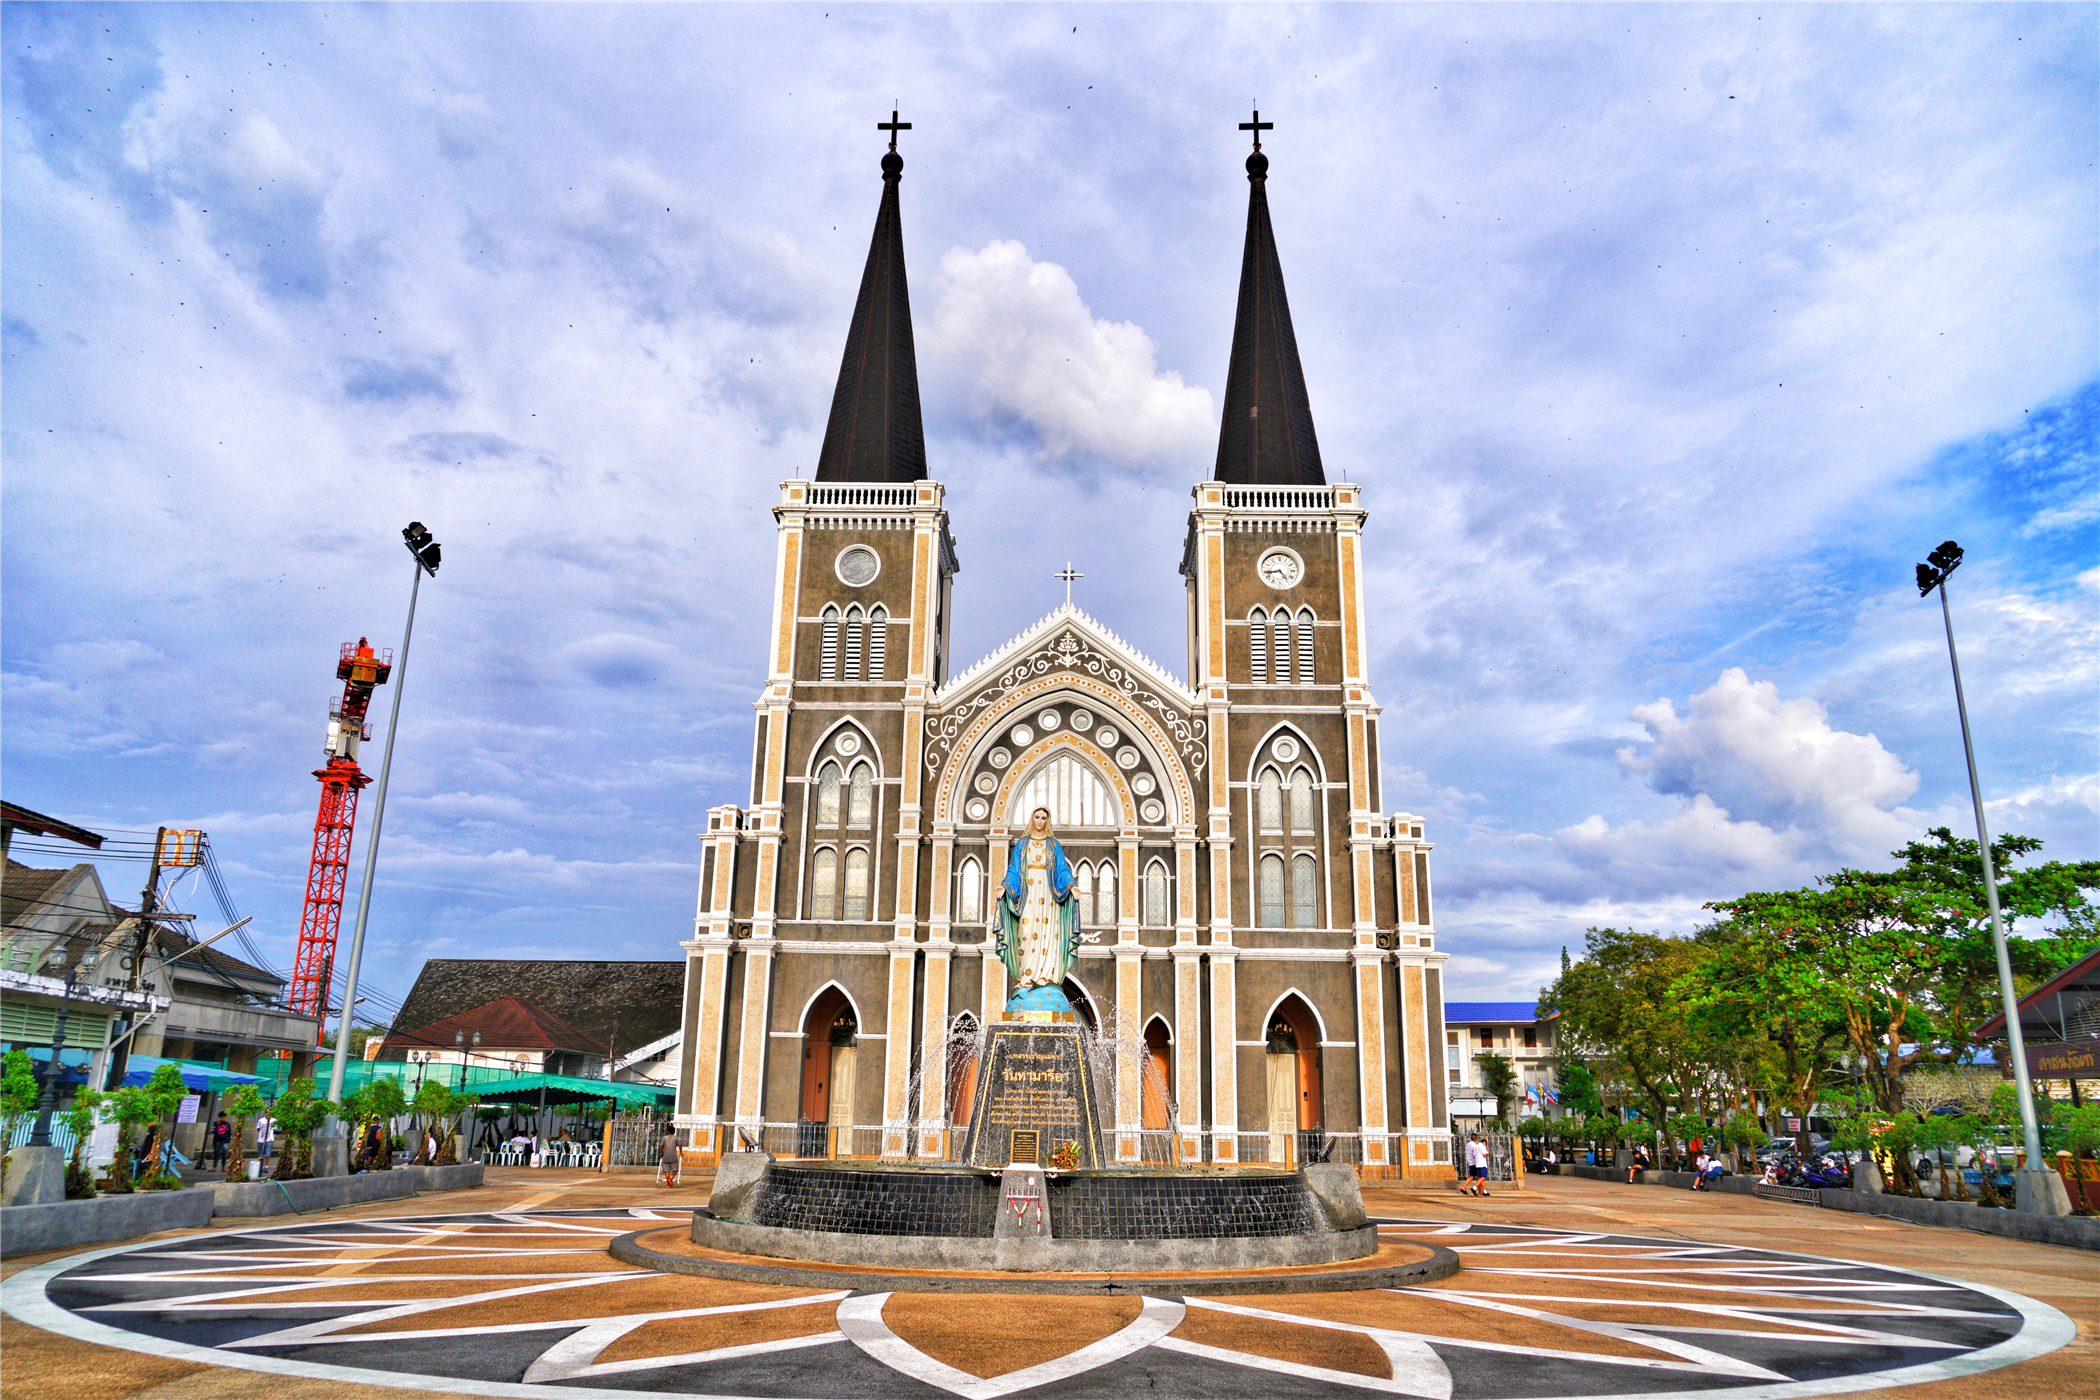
column 893, row 126
column 1070, row 575
column 1257, row 126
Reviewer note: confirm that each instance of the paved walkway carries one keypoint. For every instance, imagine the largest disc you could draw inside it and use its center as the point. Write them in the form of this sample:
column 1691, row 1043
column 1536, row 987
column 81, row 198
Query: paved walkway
column 1572, row 1287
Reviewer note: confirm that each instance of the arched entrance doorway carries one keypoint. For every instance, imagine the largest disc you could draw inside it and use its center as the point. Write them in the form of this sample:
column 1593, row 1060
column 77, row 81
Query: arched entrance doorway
column 962, row 1069
column 830, row 1033
column 1295, row 1093
column 1159, row 1077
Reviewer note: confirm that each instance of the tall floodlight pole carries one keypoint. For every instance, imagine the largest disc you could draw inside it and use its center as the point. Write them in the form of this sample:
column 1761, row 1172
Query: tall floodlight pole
column 424, row 550
column 1932, row 574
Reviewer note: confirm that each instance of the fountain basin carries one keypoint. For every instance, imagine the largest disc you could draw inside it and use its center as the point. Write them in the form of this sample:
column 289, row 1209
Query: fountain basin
column 1112, row 1220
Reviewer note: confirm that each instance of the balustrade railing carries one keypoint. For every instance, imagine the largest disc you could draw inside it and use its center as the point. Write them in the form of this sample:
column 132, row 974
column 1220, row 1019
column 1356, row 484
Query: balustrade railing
column 1280, row 498
column 888, row 497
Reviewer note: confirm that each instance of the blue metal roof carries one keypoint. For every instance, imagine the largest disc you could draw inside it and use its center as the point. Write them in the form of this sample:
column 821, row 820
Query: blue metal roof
column 1498, row 1012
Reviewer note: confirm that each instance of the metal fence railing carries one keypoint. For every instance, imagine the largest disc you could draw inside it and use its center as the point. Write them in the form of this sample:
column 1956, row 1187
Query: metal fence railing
column 1501, row 1153
column 61, row 1134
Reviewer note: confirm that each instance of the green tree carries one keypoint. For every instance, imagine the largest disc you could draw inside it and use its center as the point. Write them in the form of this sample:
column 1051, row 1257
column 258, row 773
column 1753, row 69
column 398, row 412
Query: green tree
column 377, row 1104
column 142, row 1106
column 1760, row 977
column 298, row 1113
column 80, row 1120
column 1745, row 1134
column 18, row 1095
column 1499, row 1077
column 243, row 1104
column 1618, row 1008
column 1578, row 1086
column 437, row 1105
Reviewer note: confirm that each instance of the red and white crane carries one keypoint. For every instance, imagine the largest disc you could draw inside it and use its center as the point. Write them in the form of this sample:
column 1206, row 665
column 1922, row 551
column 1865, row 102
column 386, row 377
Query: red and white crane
column 361, row 670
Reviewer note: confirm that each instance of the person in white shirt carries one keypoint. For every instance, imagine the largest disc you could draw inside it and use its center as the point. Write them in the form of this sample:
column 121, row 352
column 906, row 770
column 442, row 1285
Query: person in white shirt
column 1476, row 1166
column 265, row 1136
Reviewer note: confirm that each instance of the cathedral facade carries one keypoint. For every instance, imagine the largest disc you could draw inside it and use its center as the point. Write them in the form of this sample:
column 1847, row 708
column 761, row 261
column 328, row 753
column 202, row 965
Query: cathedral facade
column 1259, row 954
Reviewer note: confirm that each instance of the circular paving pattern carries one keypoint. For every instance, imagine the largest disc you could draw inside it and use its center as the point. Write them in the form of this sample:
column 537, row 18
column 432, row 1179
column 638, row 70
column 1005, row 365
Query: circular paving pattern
column 529, row 1303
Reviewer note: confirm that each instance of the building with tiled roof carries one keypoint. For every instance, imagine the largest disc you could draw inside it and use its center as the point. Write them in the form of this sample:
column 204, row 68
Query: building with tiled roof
column 626, row 1010
column 504, row 1032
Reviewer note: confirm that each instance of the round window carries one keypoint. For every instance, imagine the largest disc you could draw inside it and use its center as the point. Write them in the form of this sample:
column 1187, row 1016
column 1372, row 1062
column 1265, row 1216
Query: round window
column 858, row 565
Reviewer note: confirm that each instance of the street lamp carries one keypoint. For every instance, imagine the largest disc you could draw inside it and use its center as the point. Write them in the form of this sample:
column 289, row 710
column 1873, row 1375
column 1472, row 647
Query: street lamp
column 47, row 1101
column 1933, row 574
column 424, row 550
column 459, row 1038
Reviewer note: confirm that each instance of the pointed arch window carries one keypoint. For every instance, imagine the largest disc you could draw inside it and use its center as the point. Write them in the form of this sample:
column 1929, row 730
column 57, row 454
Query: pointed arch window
column 1305, row 646
column 1282, row 639
column 828, row 795
column 1305, row 892
column 828, row 654
column 860, row 797
column 856, row 900
column 1268, row 802
column 1156, row 895
column 824, row 884
column 850, row 670
column 878, row 640
column 1258, row 646
column 1301, row 802
column 1083, row 881
column 1073, row 792
column 1105, row 911
column 1271, row 909
column 969, row 907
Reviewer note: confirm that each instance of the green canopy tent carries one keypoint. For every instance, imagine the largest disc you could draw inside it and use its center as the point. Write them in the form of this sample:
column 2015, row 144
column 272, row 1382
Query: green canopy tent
column 543, row 1089
column 536, row 1093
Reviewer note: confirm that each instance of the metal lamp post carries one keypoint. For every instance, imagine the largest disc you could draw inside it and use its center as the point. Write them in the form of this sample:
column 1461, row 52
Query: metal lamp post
column 425, row 551
column 459, row 1038
column 47, row 1100
column 1933, row 574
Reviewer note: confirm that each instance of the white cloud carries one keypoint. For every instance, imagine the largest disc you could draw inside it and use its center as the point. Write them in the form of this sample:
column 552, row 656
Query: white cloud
column 1741, row 748
column 1032, row 353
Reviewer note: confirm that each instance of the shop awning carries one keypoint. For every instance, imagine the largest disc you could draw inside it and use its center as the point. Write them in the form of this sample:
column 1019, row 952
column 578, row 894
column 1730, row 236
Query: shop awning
column 568, row 1088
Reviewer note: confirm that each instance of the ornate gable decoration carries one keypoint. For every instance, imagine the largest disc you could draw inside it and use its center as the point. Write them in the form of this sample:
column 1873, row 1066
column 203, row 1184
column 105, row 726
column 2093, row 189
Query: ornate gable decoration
column 1060, row 643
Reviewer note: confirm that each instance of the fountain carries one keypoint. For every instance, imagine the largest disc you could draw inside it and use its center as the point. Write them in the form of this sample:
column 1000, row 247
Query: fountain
column 1032, row 1194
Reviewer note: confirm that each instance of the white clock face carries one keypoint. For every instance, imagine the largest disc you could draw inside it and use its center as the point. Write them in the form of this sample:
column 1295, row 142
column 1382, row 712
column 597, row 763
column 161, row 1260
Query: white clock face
column 1280, row 568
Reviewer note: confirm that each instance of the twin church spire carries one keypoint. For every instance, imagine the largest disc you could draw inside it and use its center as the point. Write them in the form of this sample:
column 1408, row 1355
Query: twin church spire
column 876, row 433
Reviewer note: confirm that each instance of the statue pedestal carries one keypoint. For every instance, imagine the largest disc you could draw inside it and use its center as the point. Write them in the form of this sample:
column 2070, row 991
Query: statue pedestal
column 1034, row 1079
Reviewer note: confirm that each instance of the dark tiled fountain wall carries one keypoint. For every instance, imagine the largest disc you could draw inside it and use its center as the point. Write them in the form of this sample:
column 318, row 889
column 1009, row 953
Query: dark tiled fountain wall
column 877, row 1202
column 1109, row 1206
column 1123, row 1207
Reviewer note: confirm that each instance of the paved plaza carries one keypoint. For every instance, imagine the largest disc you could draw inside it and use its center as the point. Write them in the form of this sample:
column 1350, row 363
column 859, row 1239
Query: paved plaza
column 1569, row 1288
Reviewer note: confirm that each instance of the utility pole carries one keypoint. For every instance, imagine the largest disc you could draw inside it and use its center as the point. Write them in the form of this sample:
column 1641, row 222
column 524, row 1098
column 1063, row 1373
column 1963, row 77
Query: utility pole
column 120, row 1057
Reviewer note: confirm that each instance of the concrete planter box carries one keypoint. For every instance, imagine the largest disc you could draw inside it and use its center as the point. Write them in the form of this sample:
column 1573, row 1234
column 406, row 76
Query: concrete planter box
column 76, row 1224
column 251, row 1198
column 461, row 1177
column 327, row 1192
column 2071, row 1231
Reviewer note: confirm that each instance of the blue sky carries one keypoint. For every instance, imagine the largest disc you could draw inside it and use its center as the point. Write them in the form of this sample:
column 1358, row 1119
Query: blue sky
column 1664, row 339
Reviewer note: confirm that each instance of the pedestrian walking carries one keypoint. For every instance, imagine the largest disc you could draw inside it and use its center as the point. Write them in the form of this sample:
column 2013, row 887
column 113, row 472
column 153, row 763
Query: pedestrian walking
column 1476, row 1166
column 668, row 1159
column 265, row 1136
column 221, row 1141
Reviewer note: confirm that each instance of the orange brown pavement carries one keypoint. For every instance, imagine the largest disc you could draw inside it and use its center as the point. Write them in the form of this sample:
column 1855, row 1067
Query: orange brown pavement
column 954, row 1330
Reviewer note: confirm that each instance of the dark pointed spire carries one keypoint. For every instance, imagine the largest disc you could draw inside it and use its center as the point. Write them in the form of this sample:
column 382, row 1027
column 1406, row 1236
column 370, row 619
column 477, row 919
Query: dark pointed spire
column 1267, row 437
column 875, row 433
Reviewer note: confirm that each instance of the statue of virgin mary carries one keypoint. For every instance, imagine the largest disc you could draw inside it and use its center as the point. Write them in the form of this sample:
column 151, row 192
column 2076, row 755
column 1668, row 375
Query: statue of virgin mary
column 1038, row 921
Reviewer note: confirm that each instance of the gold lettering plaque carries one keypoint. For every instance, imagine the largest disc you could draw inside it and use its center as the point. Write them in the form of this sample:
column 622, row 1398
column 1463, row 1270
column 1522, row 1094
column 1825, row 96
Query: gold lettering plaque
column 1025, row 1146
